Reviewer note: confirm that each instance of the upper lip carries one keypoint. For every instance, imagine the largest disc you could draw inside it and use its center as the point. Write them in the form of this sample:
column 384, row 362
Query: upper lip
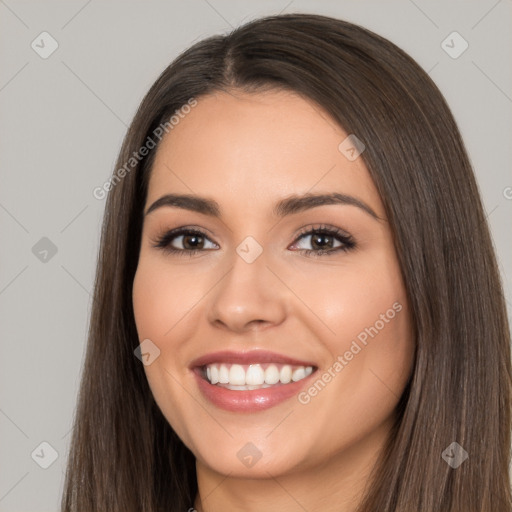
column 247, row 357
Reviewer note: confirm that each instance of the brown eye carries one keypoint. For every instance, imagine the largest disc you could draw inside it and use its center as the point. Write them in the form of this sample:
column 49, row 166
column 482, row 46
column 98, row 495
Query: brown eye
column 322, row 241
column 191, row 241
column 326, row 241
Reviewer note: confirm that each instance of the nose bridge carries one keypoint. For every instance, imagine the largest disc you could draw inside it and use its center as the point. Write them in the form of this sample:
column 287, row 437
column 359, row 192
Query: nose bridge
column 248, row 292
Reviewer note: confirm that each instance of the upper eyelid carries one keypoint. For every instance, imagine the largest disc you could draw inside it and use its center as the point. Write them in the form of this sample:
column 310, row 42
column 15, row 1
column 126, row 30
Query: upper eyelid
column 303, row 232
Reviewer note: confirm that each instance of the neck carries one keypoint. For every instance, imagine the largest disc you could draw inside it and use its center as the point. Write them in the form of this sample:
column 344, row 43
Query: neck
column 337, row 484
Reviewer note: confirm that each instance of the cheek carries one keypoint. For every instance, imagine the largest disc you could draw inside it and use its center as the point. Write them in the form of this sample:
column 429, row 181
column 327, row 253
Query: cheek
column 369, row 336
column 350, row 299
column 162, row 298
column 371, row 354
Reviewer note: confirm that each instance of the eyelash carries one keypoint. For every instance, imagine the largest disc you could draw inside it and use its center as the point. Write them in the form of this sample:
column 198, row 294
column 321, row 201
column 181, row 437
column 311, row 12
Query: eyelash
column 348, row 243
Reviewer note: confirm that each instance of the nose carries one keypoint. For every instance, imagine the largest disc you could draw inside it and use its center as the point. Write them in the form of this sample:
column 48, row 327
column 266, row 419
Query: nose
column 248, row 297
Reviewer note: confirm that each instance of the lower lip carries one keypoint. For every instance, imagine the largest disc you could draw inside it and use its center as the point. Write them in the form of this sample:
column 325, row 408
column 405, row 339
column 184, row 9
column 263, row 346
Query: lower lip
column 249, row 400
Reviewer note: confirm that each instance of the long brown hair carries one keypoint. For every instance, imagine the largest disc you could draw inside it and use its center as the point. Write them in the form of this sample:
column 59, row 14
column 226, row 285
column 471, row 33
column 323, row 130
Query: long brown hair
column 125, row 456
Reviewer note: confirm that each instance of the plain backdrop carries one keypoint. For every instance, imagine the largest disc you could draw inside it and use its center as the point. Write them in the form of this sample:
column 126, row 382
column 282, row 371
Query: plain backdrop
column 62, row 121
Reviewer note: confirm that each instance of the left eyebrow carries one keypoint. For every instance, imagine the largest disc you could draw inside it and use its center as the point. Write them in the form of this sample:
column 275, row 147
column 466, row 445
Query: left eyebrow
column 288, row 206
column 295, row 204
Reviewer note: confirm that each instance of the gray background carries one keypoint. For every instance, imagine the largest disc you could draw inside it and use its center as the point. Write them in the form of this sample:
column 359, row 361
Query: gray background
column 62, row 122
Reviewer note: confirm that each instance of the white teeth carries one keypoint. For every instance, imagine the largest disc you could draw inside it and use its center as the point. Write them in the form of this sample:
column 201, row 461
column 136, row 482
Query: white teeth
column 255, row 376
column 214, row 374
column 223, row 374
column 285, row 375
column 237, row 375
column 272, row 375
column 298, row 374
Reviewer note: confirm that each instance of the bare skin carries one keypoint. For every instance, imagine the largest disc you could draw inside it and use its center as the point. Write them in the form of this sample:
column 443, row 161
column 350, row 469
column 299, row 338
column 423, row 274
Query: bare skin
column 247, row 152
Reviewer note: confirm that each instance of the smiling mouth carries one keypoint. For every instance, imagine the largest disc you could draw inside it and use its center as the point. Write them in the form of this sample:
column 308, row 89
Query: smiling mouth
column 246, row 377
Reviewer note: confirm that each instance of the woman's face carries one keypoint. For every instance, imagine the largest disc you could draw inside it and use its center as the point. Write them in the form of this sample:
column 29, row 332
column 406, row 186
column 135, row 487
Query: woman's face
column 323, row 339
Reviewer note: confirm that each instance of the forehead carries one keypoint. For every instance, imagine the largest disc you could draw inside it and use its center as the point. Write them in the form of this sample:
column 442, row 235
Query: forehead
column 242, row 147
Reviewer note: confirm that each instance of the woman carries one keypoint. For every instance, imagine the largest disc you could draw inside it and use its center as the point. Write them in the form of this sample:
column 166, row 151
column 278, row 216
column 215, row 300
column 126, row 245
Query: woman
column 297, row 304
